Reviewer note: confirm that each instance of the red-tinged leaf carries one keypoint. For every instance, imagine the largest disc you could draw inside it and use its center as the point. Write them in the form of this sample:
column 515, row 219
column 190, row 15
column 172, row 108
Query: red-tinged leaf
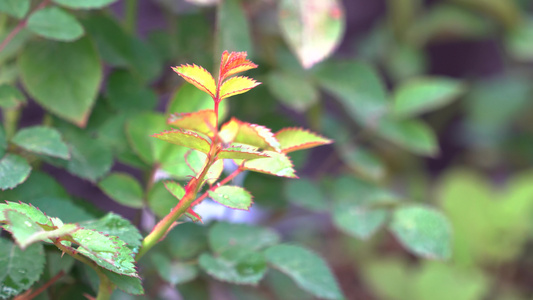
column 214, row 172
column 293, row 139
column 203, row 121
column 175, row 189
column 235, row 131
column 29, row 210
column 184, row 138
column 237, row 85
column 240, row 152
column 197, row 76
column 277, row 164
column 233, row 63
column 230, row 196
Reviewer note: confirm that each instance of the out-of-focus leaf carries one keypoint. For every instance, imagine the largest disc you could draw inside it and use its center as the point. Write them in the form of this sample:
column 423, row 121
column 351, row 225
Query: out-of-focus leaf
column 37, row 185
column 362, row 161
column 174, row 272
column 357, row 86
column 423, row 231
column 160, row 200
column 420, row 95
column 3, row 141
column 312, row 28
column 10, row 97
column 62, row 208
column 56, row 24
column 84, row 4
column 89, row 159
column 129, row 284
column 413, row 135
column 307, row 269
column 225, row 236
column 292, row 90
column 519, row 39
column 506, row 12
column 186, row 241
column 240, row 266
column 15, row 8
column 234, row 33
column 126, row 92
column 189, row 99
column 360, row 207
column 202, row 121
column 41, row 140
column 55, row 73
column 123, row 188
column 13, row 171
column 306, row 193
column 19, row 269
column 232, row 196
column 120, row 49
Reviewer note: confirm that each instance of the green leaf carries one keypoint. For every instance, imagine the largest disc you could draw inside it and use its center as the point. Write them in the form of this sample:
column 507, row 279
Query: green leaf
column 54, row 73
column 307, row 269
column 421, row 95
column 234, row 197
column 236, row 34
column 277, row 164
column 26, row 232
column 138, row 130
column 519, row 39
column 357, row 86
column 126, row 92
column 226, row 236
column 89, row 158
column 30, row 211
column 13, row 171
column 60, row 207
column 160, row 200
column 128, row 284
column 185, row 138
column 423, row 231
column 56, row 24
column 186, row 241
column 108, row 252
column 15, row 8
column 119, row 48
column 41, row 140
column 312, row 28
column 10, row 97
column 362, row 161
column 174, row 272
column 123, row 188
column 3, row 142
column 413, row 135
column 236, row 151
column 84, row 4
column 359, row 208
column 188, row 99
column 238, row 266
column 37, row 185
column 293, row 139
column 115, row 225
column 306, row 193
column 19, row 269
column 292, row 90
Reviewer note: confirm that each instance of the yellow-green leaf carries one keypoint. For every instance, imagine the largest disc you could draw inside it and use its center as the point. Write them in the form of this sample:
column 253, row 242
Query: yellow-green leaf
column 184, row 138
column 203, row 121
column 293, row 139
column 236, row 131
column 197, row 76
column 237, row 85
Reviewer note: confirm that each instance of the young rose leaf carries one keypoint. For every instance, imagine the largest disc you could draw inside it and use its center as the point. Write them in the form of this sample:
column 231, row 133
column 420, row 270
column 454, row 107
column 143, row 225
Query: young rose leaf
column 203, row 121
column 29, row 210
column 236, row 131
column 240, row 266
column 26, row 232
column 306, row 268
column 240, row 152
column 223, row 237
column 312, row 28
column 425, row 232
column 215, row 171
column 107, row 251
column 184, row 138
column 19, row 269
column 175, row 189
column 293, row 139
column 233, row 63
column 42, row 140
column 123, row 188
column 232, row 196
column 277, row 164
column 116, row 225
column 13, row 171
column 197, row 76
column 237, row 85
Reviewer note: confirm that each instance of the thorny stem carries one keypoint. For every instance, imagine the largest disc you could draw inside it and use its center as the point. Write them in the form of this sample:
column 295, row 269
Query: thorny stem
column 21, row 25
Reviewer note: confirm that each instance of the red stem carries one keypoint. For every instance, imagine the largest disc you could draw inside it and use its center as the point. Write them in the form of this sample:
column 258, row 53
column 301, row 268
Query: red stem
column 222, row 182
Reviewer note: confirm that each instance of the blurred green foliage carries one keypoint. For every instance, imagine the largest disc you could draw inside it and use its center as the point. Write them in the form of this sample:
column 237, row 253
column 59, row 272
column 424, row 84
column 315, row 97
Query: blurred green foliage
column 425, row 194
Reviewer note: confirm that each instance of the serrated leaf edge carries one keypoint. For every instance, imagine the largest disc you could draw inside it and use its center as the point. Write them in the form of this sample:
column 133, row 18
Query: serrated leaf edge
column 299, row 147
